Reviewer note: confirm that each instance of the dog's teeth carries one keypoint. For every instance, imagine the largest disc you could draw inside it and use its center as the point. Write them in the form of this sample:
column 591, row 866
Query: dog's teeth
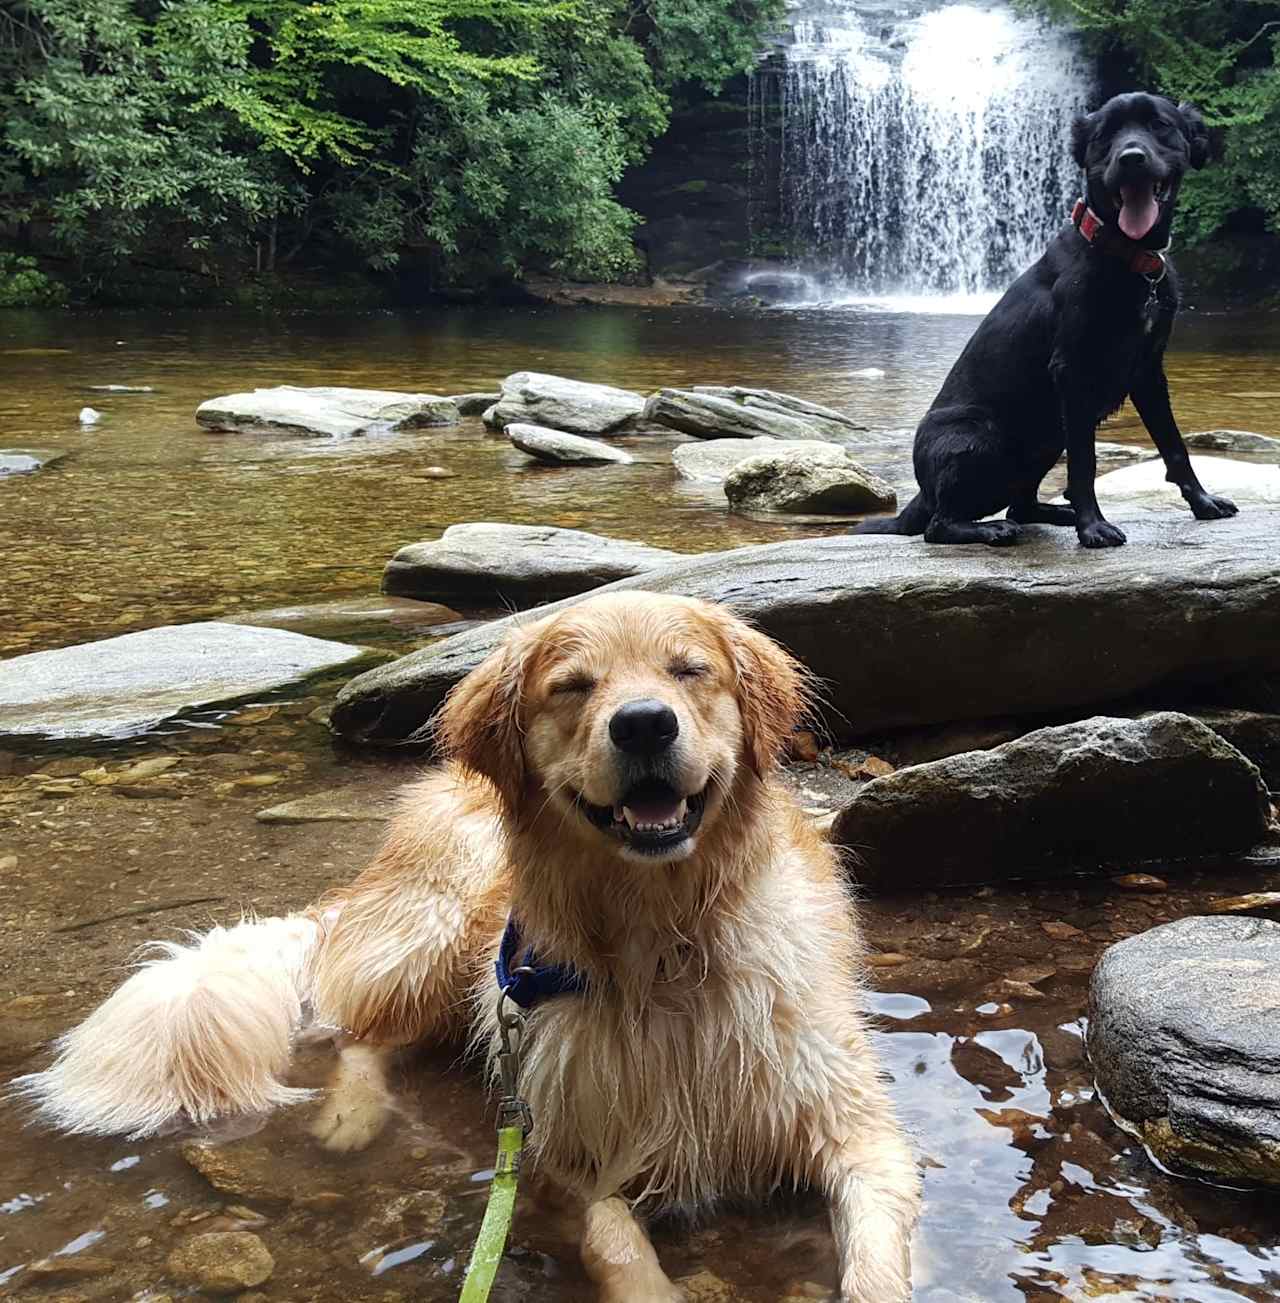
column 681, row 810
column 629, row 817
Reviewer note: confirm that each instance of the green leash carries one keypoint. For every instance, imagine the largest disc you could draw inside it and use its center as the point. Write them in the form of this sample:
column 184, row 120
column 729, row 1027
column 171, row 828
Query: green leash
column 514, row 1124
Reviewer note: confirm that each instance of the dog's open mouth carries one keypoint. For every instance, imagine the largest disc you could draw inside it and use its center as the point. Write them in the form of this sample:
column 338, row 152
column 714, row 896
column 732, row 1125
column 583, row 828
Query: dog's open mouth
column 1139, row 204
column 652, row 816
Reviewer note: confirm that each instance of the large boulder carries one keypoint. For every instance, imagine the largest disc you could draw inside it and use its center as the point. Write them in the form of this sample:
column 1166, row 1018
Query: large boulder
column 473, row 404
column 807, row 480
column 325, row 410
column 574, row 406
column 561, row 449
column 1060, row 800
column 831, row 422
column 1256, row 733
column 1246, row 483
column 122, row 686
column 713, row 416
column 1234, row 441
column 1184, row 1039
column 905, row 634
column 709, row 461
column 493, row 565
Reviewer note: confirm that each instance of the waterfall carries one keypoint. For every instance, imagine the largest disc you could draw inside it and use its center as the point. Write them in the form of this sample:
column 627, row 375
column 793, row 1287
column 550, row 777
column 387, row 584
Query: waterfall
column 911, row 150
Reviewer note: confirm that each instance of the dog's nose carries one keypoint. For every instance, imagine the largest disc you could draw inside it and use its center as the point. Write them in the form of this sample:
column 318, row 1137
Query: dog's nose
column 644, row 727
column 1132, row 156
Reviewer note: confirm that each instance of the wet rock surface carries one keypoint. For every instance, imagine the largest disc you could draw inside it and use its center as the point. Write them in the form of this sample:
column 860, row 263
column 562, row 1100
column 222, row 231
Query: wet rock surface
column 1234, row 441
column 1246, row 483
column 356, row 803
column 355, row 617
column 495, row 564
column 1256, row 733
column 22, row 461
column 121, row 686
column 806, row 480
column 331, row 411
column 1059, row 800
column 710, row 461
column 226, row 1262
column 474, row 404
column 573, row 406
column 1184, row 1038
column 561, row 449
column 713, row 416
column 827, row 419
column 956, row 633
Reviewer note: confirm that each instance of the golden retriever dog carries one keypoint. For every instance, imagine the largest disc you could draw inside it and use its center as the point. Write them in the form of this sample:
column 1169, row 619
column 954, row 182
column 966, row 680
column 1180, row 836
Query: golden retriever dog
column 610, row 786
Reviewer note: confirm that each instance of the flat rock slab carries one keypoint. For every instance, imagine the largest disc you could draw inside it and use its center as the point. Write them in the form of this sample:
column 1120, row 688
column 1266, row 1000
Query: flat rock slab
column 1184, row 1038
column 561, row 449
column 1234, row 441
column 492, row 564
column 357, row 803
column 355, row 617
column 574, row 406
column 1061, row 800
column 905, row 633
column 710, row 461
column 827, row 419
column 1246, row 483
column 330, row 411
column 122, row 686
column 713, row 416
column 21, row 461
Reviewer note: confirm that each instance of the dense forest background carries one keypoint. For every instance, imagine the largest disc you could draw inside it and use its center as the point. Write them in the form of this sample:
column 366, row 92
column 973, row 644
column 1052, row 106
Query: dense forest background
column 217, row 149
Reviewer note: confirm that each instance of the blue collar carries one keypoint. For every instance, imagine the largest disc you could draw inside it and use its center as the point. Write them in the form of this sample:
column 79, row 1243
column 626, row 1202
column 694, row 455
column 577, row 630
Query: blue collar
column 546, row 980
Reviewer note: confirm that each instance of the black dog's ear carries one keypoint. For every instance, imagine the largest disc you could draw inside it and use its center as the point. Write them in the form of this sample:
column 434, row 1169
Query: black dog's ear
column 1081, row 130
column 1197, row 133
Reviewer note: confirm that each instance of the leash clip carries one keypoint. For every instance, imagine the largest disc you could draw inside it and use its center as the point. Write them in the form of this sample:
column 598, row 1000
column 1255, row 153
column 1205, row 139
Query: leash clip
column 1156, row 278
column 513, row 1109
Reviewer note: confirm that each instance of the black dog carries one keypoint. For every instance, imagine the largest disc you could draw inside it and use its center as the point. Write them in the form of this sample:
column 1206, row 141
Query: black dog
column 1072, row 338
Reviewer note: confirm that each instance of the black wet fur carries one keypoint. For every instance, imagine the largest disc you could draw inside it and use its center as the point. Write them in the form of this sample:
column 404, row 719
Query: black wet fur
column 1072, row 338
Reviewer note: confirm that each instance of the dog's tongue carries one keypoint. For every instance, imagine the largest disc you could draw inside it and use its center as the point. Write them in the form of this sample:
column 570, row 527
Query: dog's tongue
column 1139, row 211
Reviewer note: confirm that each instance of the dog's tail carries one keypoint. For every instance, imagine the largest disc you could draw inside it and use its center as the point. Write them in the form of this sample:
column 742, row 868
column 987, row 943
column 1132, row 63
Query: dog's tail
column 200, row 1032
column 912, row 519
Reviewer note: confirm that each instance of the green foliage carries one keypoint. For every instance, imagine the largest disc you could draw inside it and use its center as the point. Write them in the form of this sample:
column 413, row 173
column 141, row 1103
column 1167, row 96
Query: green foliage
column 24, row 285
column 1225, row 58
column 232, row 136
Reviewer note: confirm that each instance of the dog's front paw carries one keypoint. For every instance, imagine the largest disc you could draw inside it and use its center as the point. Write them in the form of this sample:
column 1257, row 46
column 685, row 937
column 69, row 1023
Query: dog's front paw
column 1208, row 507
column 1100, row 533
column 349, row 1122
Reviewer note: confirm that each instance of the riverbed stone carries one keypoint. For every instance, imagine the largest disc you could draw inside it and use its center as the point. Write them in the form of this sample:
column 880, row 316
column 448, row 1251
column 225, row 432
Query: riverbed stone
column 356, row 803
column 904, row 634
column 710, row 461
column 711, row 416
column 1234, row 441
column 834, row 424
column 1246, row 483
column 495, row 564
column 1061, row 800
column 807, row 480
column 122, row 686
column 474, row 404
column 221, row 1262
column 1184, row 1039
column 332, row 411
column 21, row 461
column 561, row 449
column 351, row 617
column 574, row 406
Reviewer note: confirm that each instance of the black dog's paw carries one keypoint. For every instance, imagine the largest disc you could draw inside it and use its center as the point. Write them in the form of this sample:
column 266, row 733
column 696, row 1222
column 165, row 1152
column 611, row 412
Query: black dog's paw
column 999, row 533
column 1209, row 507
column 1100, row 534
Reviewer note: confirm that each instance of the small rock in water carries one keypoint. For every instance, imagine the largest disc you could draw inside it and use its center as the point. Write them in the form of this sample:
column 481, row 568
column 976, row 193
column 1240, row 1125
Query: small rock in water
column 1141, row 882
column 436, row 473
column 221, row 1262
column 706, row 1288
column 563, row 449
column 1060, row 931
column 821, row 480
column 1013, row 990
column 887, row 959
column 1255, row 902
column 474, row 404
column 120, row 389
column 70, row 1267
column 241, row 1169
column 89, row 417
column 868, row 373
column 8, row 862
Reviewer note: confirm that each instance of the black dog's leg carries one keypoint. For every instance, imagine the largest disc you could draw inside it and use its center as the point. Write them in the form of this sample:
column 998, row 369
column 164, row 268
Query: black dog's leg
column 1082, row 468
column 1150, row 394
column 1030, row 511
column 995, row 533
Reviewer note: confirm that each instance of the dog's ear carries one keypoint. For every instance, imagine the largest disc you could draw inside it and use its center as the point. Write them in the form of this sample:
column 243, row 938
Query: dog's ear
column 1081, row 130
column 1196, row 132
column 772, row 694
column 479, row 724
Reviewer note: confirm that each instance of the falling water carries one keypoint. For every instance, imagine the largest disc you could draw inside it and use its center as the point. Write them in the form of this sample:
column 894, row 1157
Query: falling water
column 915, row 152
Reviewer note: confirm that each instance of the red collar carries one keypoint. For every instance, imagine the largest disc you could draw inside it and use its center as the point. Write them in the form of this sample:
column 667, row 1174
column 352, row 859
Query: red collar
column 1147, row 262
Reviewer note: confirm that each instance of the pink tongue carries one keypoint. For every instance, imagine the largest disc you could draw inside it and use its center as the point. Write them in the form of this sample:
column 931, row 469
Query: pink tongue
column 657, row 810
column 1140, row 211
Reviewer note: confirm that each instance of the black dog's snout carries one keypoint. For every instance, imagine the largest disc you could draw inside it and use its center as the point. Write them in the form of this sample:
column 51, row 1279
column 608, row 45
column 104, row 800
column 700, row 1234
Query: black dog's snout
column 643, row 728
column 1133, row 156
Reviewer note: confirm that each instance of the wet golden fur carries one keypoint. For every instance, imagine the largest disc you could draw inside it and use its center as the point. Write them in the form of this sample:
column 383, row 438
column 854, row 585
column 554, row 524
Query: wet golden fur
column 718, row 1050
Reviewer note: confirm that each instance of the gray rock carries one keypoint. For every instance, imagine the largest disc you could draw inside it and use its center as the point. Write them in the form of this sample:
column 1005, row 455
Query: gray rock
column 807, row 480
column 20, row 461
column 1184, row 1038
column 905, row 634
column 221, row 1262
column 709, row 461
column 827, row 419
column 121, row 389
column 709, row 416
column 1256, row 733
column 1144, row 485
column 332, row 411
column 356, row 803
column 1120, row 454
column 494, row 564
column 356, row 618
column 122, row 686
column 563, row 449
column 570, row 405
column 1233, row 441
column 1080, row 796
column 473, row 404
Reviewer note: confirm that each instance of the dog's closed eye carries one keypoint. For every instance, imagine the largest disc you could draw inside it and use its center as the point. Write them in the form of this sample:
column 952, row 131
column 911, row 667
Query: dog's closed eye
column 687, row 670
column 572, row 683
